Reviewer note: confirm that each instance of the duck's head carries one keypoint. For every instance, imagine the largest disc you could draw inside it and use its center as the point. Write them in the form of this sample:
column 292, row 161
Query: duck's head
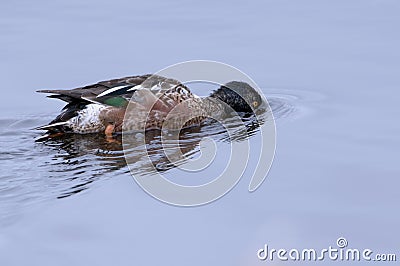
column 238, row 95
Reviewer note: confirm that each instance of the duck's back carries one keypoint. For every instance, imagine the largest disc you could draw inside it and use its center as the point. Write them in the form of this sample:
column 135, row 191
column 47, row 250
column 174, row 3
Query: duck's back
column 156, row 94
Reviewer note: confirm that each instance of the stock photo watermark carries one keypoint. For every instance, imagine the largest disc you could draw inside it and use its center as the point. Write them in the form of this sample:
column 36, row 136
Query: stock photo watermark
column 236, row 90
column 339, row 252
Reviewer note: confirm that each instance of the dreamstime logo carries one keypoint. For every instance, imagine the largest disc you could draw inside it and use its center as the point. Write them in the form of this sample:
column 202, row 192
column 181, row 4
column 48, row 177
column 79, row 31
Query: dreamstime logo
column 341, row 242
column 341, row 253
column 182, row 195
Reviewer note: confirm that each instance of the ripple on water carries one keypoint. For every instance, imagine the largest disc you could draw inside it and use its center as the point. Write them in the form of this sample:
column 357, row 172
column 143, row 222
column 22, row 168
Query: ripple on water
column 33, row 172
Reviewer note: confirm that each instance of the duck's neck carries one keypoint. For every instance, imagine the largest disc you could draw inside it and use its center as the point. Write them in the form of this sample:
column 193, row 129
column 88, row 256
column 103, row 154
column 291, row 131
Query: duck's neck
column 227, row 96
column 215, row 106
column 223, row 95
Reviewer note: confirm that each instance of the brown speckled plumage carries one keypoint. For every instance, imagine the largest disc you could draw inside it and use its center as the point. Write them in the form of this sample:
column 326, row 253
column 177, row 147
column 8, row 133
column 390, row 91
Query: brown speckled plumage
column 135, row 103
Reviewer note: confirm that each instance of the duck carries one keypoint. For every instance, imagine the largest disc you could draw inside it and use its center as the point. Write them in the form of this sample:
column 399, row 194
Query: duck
column 143, row 102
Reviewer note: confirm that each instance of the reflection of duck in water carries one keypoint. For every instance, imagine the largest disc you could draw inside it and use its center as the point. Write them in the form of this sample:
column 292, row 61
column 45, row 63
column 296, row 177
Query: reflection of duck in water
column 145, row 102
column 81, row 160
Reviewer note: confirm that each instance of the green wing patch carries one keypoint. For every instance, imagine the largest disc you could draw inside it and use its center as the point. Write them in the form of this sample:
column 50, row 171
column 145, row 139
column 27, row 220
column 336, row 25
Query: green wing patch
column 116, row 101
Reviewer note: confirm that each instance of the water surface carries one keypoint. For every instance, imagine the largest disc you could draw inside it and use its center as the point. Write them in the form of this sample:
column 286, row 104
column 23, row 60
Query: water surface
column 329, row 70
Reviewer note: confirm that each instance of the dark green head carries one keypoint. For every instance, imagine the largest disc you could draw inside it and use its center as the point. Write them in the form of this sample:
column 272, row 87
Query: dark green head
column 239, row 95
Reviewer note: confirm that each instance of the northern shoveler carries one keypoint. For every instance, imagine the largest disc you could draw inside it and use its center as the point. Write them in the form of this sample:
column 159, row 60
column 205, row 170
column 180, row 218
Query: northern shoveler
column 142, row 102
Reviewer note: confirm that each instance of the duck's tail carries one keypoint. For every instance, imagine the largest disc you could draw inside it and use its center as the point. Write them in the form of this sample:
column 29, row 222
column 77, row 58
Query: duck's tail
column 53, row 130
column 48, row 136
column 53, row 126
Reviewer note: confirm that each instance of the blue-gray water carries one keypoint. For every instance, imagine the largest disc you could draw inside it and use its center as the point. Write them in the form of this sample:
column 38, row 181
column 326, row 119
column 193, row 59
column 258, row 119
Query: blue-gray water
column 331, row 68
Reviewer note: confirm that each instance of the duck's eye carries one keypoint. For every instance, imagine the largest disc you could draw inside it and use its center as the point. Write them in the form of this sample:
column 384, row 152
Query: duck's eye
column 255, row 104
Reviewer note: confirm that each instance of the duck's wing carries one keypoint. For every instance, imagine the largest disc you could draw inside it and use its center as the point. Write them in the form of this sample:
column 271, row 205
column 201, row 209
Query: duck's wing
column 151, row 91
column 94, row 92
column 115, row 92
column 153, row 83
